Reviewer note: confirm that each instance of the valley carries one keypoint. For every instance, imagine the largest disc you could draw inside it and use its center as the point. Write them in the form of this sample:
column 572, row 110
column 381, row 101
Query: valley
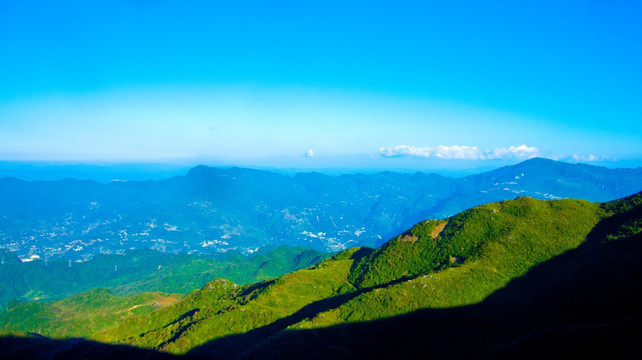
column 239, row 180
column 215, row 210
column 503, row 278
column 143, row 271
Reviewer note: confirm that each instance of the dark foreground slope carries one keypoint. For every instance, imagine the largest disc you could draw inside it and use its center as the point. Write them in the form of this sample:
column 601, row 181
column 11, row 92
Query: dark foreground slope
column 36, row 347
column 521, row 278
column 585, row 304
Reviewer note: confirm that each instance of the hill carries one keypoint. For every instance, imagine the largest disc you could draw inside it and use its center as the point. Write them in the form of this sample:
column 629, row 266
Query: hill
column 523, row 278
column 584, row 303
column 138, row 271
column 213, row 210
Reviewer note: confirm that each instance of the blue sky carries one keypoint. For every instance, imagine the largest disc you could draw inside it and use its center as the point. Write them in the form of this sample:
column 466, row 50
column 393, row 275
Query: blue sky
column 413, row 85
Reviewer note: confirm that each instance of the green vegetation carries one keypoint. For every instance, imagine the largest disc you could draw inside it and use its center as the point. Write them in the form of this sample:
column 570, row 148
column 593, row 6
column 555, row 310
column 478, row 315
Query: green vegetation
column 411, row 253
column 220, row 308
column 446, row 264
column 144, row 270
column 81, row 314
column 475, row 254
column 214, row 314
column 625, row 220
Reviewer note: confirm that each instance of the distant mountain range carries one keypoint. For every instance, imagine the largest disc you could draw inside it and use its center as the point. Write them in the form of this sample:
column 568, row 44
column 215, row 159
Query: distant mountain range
column 522, row 278
column 216, row 210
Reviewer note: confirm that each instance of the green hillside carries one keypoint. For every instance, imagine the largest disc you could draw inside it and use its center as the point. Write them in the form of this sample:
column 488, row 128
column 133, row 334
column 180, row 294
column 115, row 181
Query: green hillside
column 478, row 252
column 462, row 271
column 81, row 314
column 143, row 270
column 582, row 304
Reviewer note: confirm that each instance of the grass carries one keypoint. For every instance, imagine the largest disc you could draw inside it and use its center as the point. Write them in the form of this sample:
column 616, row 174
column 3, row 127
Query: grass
column 435, row 265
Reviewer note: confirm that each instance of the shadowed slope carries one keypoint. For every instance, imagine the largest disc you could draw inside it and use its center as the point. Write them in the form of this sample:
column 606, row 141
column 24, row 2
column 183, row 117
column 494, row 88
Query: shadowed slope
column 41, row 348
column 584, row 303
column 523, row 280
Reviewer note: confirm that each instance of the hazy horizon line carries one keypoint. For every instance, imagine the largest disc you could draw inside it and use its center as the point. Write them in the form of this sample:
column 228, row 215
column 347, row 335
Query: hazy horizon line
column 104, row 171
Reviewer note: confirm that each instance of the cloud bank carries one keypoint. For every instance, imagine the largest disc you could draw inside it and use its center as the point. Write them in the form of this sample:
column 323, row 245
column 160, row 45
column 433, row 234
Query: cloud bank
column 461, row 152
column 589, row 158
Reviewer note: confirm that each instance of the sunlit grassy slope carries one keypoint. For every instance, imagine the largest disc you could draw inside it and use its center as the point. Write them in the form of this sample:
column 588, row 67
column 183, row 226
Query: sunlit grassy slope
column 81, row 314
column 478, row 252
column 456, row 262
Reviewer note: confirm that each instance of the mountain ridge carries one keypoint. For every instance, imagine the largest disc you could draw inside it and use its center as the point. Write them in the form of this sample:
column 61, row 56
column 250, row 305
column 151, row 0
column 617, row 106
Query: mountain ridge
column 508, row 256
column 216, row 209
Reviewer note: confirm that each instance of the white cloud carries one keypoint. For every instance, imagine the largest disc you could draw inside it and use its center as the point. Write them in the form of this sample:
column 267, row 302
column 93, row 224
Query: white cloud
column 461, row 152
column 589, row 158
column 403, row 150
column 513, row 152
column 442, row 152
column 309, row 153
column 457, row 152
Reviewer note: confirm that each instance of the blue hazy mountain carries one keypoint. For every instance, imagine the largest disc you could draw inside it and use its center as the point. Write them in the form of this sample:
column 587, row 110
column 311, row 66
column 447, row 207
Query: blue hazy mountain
column 104, row 173
column 212, row 210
